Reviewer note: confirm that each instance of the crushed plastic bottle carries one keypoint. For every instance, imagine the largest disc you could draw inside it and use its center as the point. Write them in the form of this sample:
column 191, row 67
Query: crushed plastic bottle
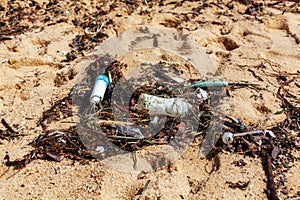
column 100, row 86
column 173, row 107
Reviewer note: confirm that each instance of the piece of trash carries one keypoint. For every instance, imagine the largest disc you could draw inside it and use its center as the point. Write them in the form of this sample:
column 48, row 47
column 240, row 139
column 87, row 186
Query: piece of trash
column 228, row 136
column 133, row 131
column 129, row 131
column 154, row 120
column 202, row 94
column 146, row 63
column 216, row 84
column 209, row 84
column 270, row 133
column 100, row 86
column 57, row 133
column 178, row 80
column 173, row 107
column 248, row 133
column 100, row 149
column 243, row 126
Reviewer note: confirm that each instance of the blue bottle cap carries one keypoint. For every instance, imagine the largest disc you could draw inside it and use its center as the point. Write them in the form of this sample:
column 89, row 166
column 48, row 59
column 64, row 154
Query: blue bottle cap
column 103, row 77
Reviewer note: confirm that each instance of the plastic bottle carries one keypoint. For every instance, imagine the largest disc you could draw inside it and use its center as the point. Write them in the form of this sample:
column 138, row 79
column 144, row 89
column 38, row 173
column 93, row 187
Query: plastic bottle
column 173, row 107
column 99, row 89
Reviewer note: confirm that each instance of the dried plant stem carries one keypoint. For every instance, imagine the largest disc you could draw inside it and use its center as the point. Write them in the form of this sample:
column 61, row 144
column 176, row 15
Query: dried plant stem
column 271, row 184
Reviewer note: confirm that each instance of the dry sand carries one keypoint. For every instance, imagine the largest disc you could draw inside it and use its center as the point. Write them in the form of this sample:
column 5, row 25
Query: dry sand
column 267, row 44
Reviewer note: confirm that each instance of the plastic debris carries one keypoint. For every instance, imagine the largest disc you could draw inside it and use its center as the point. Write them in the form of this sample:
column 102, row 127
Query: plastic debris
column 100, row 86
column 228, row 136
column 146, row 63
column 178, row 80
column 202, row 94
column 129, row 131
column 270, row 133
column 154, row 119
column 216, row 84
column 100, row 149
column 208, row 84
column 173, row 107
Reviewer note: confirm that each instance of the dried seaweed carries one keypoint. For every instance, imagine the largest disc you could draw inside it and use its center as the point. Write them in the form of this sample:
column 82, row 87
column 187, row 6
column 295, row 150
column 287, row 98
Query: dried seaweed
column 59, row 110
column 54, row 145
column 129, row 138
column 240, row 184
column 9, row 133
column 63, row 77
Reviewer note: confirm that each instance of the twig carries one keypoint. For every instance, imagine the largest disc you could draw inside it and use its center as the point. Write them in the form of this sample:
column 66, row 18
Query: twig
column 122, row 137
column 141, row 190
column 272, row 193
column 134, row 160
column 13, row 174
column 107, row 122
column 7, row 126
column 4, row 172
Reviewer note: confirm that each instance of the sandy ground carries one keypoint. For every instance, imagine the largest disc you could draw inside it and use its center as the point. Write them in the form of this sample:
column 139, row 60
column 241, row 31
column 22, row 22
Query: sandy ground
column 243, row 47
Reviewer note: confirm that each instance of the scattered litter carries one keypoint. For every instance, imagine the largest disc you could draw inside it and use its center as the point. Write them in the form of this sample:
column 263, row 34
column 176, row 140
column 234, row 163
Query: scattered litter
column 50, row 145
column 139, row 123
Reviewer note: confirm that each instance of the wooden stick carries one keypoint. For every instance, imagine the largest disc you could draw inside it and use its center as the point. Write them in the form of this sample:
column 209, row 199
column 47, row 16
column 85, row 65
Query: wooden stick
column 109, row 122
column 7, row 126
column 271, row 184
